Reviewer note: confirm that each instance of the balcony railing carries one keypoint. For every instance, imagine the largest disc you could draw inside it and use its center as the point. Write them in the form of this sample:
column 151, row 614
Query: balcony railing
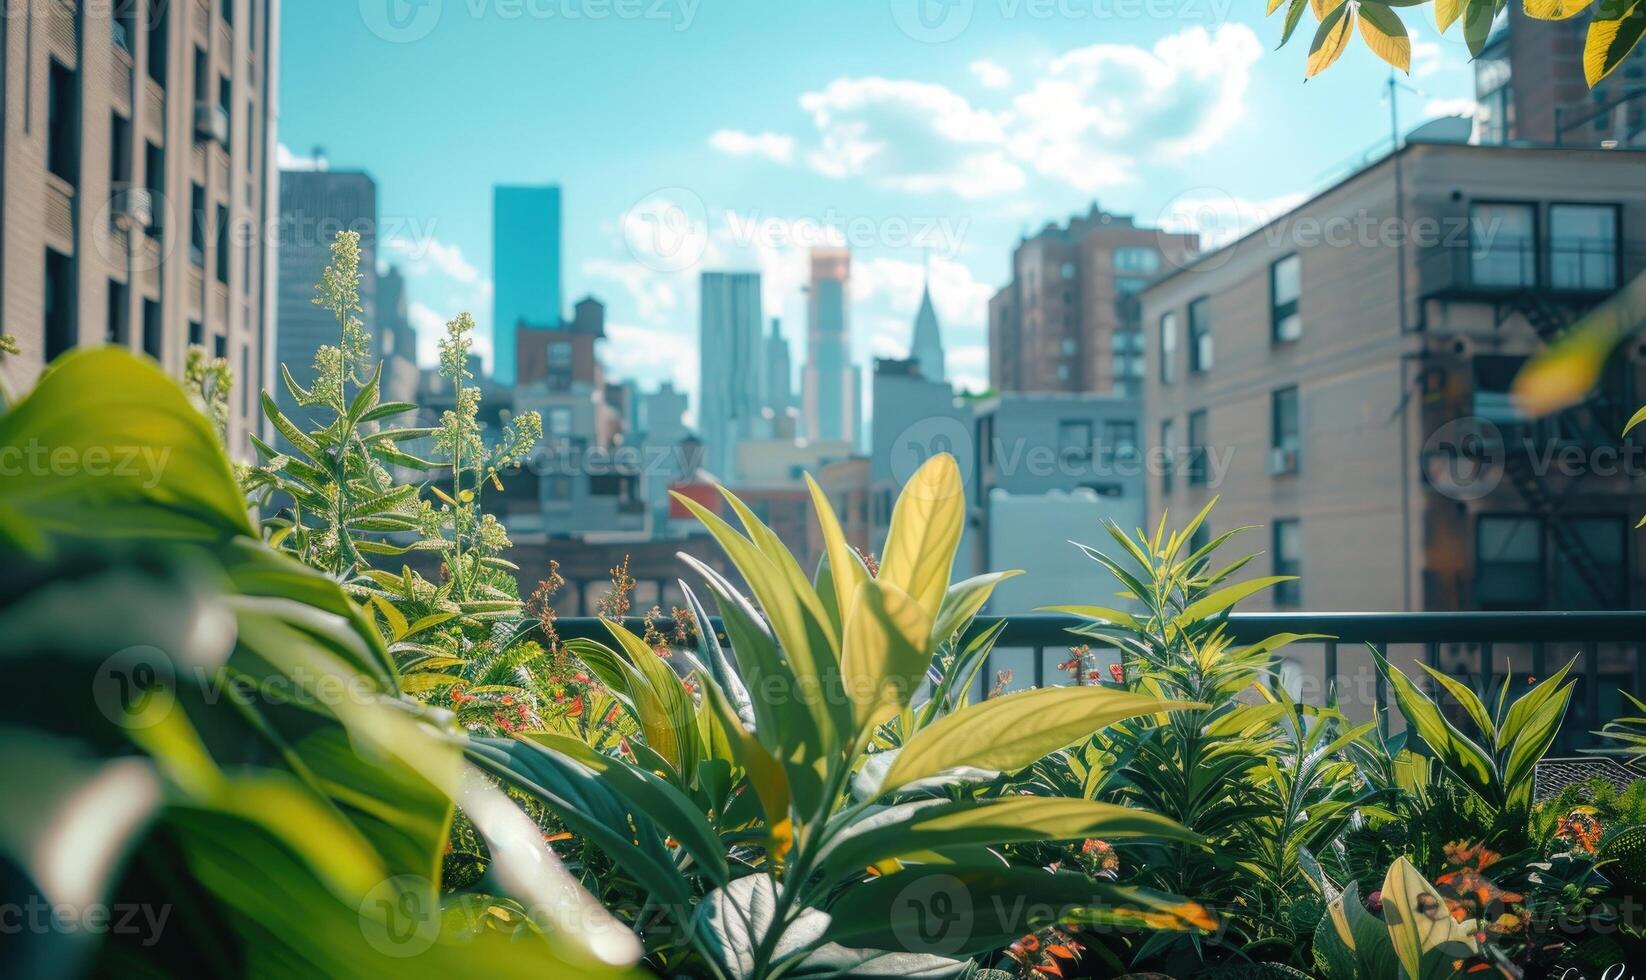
column 1582, row 269
column 1483, row 649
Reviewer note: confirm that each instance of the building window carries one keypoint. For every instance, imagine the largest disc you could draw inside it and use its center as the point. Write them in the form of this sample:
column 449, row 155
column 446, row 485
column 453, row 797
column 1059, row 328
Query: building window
column 560, row 354
column 63, row 122
column 1288, row 560
column 1074, row 440
column 225, row 102
column 1135, row 258
column 219, row 346
column 119, row 151
column 197, row 228
column 1583, row 246
column 197, row 334
column 1200, row 336
column 1120, row 438
column 1197, row 448
column 59, row 304
column 228, row 12
column 154, row 177
column 1168, row 348
column 1503, row 245
column 118, row 327
column 153, row 342
column 1128, row 285
column 159, row 41
column 1168, row 457
column 222, row 230
column 1285, row 437
column 1590, row 566
column 1285, row 286
column 201, row 96
column 1509, row 562
column 560, row 422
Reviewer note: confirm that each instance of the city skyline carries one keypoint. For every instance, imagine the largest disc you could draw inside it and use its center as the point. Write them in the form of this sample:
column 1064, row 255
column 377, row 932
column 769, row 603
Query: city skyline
column 761, row 171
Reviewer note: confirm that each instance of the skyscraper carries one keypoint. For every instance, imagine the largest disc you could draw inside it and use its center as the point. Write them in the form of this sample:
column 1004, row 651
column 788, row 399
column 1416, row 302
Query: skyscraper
column 136, row 166
column 730, row 365
column 926, row 347
column 779, row 382
column 314, row 206
column 525, row 268
column 396, row 339
column 831, row 387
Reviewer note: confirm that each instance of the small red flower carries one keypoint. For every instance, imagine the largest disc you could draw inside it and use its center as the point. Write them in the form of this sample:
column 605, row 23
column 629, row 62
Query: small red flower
column 1117, row 672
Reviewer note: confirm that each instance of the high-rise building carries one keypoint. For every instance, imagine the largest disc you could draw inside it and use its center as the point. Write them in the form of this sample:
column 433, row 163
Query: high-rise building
column 779, row 379
column 730, row 367
column 831, row 387
column 1530, row 87
column 396, row 338
column 525, row 269
column 1068, row 320
column 926, row 346
column 314, row 206
column 135, row 168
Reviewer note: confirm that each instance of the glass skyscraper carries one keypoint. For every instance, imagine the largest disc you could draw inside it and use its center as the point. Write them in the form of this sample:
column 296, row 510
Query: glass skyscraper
column 525, row 268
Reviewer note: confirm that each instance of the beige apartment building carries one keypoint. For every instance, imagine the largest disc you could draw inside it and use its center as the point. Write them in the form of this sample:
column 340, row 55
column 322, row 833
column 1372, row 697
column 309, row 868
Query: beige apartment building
column 1340, row 375
column 1069, row 319
column 136, row 158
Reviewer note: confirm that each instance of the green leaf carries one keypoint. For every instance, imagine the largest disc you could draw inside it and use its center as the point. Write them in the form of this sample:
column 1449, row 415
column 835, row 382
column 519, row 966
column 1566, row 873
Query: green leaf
column 1211, row 605
column 1419, row 920
column 885, row 652
column 963, row 601
column 1456, row 751
column 1010, row 732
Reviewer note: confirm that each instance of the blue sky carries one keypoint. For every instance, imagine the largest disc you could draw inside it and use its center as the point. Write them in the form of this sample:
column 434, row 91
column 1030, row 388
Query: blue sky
column 711, row 134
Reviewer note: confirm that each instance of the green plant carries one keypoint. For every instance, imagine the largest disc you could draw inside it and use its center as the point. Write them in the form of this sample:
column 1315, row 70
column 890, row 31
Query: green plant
column 244, row 757
column 1264, row 781
column 1414, row 938
column 758, row 820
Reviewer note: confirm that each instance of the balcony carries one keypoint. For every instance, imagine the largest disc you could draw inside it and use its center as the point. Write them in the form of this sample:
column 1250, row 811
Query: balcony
column 1575, row 270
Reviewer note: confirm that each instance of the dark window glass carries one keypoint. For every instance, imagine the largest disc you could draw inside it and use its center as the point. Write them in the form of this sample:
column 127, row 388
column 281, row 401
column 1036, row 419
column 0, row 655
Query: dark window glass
column 1168, row 455
column 1168, row 348
column 1583, row 246
column 1509, row 562
column 63, row 122
column 197, row 226
column 159, row 40
column 223, row 236
column 1285, row 287
column 1200, row 336
column 1197, row 448
column 1287, row 547
column 59, row 304
column 118, row 328
column 153, row 340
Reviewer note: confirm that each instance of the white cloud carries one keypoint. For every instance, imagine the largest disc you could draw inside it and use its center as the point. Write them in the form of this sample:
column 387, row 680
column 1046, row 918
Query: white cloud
column 1091, row 119
column 1220, row 217
column 654, row 294
column 989, row 74
column 430, row 252
column 1098, row 110
column 1451, row 107
column 909, row 136
column 768, row 146
column 959, row 299
column 651, row 354
column 285, row 159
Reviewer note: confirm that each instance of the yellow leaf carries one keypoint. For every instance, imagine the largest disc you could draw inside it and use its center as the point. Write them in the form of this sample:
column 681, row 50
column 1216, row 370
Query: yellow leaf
column 1418, row 918
column 1329, row 42
column 1555, row 9
column 844, row 568
column 1275, row 5
column 1610, row 41
column 925, row 533
column 1386, row 36
column 1447, row 12
column 1564, row 373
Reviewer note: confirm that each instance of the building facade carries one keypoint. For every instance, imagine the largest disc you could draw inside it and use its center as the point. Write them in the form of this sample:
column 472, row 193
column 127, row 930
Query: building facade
column 526, row 251
column 831, row 386
column 1340, row 378
column 136, row 159
column 731, row 365
column 314, row 206
column 1069, row 320
column 396, row 339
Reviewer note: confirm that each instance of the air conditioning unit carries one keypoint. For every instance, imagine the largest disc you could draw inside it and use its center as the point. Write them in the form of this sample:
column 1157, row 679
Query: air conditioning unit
column 132, row 205
column 211, row 122
column 1283, row 460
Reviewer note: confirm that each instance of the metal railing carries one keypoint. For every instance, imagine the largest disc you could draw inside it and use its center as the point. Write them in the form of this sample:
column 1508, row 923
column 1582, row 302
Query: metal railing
column 1483, row 649
column 1585, row 269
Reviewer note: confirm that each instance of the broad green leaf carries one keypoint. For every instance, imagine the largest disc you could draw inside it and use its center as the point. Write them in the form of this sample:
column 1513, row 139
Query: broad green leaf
column 885, row 652
column 1419, row 920
column 944, row 824
column 1456, row 751
column 1468, row 701
column 1211, row 605
column 1010, row 732
column 766, row 775
column 846, row 573
column 963, row 602
column 926, row 525
column 662, row 692
column 1610, row 41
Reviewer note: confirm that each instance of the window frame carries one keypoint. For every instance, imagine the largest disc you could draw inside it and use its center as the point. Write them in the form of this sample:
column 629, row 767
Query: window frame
column 1617, row 245
column 1281, row 312
column 1541, row 600
column 1277, row 397
column 1168, row 467
column 1168, row 351
column 1536, row 266
column 1196, row 445
column 1201, row 362
column 1287, row 593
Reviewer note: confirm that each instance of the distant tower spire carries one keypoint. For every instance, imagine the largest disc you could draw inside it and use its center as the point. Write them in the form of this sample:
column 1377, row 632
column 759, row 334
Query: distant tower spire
column 926, row 348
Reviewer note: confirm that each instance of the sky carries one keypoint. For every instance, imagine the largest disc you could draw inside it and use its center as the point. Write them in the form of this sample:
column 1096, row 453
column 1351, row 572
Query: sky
column 927, row 135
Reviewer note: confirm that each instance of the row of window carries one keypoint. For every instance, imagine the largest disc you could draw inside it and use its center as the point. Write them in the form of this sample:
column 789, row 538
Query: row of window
column 1285, row 324
column 1285, row 440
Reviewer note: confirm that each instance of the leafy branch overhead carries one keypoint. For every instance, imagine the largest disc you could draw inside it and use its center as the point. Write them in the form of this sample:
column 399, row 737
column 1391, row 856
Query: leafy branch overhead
column 1614, row 27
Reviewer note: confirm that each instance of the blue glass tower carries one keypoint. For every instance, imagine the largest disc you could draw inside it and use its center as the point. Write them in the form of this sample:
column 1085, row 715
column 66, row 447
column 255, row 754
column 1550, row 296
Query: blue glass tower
column 525, row 268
